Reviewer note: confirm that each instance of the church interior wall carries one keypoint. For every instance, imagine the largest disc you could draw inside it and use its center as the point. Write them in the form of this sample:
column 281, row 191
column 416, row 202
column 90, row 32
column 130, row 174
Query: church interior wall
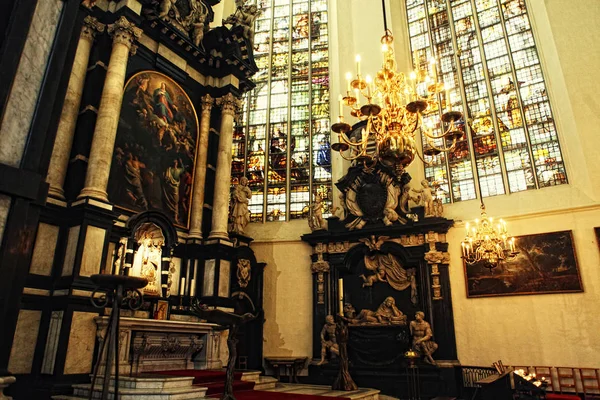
column 549, row 329
column 287, row 297
column 554, row 329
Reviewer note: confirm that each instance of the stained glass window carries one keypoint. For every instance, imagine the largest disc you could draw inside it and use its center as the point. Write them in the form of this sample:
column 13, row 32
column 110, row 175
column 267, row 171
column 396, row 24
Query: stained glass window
column 486, row 55
column 282, row 141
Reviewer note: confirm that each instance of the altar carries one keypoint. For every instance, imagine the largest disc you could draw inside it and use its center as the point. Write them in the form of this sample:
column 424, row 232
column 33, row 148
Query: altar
column 160, row 345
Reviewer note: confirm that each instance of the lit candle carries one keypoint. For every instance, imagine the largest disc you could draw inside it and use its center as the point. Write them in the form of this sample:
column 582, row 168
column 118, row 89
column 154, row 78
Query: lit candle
column 468, row 229
column 464, row 250
column 356, row 94
column 358, row 65
column 369, row 84
column 413, row 79
column 182, row 288
column 448, row 101
column 193, row 288
column 348, row 80
column 341, row 295
column 341, row 98
column 433, row 68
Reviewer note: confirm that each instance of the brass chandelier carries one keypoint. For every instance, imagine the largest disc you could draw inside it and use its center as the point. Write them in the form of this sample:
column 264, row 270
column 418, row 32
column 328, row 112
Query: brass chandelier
column 393, row 113
column 487, row 243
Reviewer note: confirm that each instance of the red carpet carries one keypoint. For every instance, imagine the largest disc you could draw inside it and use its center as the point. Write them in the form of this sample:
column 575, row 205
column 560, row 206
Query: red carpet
column 214, row 380
column 260, row 395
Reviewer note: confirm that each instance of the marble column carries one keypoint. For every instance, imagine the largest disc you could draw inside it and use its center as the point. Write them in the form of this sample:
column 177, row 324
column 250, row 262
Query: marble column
column 124, row 35
column 220, row 215
column 68, row 117
column 200, row 171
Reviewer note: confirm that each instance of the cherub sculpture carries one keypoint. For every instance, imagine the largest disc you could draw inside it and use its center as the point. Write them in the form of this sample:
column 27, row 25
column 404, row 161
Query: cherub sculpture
column 426, row 193
column 244, row 16
column 315, row 217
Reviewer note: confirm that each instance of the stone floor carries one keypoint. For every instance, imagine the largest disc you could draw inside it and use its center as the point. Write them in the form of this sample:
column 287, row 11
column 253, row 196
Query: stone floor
column 360, row 394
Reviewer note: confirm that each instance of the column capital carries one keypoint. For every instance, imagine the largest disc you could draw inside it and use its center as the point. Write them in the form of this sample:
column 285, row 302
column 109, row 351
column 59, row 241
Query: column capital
column 228, row 104
column 206, row 103
column 90, row 27
column 125, row 32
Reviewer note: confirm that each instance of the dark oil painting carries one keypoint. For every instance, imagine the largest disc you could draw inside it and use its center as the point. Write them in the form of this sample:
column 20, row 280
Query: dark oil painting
column 546, row 263
column 155, row 149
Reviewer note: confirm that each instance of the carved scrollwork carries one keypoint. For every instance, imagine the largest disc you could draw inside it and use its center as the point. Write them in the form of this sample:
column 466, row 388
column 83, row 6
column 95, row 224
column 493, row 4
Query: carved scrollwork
column 244, row 272
column 437, row 257
column 125, row 32
column 90, row 27
column 320, row 266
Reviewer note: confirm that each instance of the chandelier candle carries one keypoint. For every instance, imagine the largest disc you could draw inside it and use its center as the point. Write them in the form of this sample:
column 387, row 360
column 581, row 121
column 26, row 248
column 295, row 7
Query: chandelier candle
column 393, row 115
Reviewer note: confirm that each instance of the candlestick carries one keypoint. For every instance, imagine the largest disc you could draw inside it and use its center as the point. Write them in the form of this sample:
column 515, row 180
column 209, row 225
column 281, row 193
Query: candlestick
column 357, row 94
column 341, row 99
column 464, row 251
column 358, row 65
column 341, row 296
column 433, row 69
column 369, row 83
column 449, row 103
column 413, row 79
column 193, row 288
column 182, row 288
column 348, row 80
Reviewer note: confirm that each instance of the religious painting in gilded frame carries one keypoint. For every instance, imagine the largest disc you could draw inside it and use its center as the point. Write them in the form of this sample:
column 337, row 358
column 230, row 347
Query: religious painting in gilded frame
column 155, row 148
column 546, row 263
column 161, row 310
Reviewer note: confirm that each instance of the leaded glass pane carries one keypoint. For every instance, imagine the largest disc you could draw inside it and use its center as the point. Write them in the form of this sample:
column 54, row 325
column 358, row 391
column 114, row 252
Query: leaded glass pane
column 285, row 134
column 500, row 82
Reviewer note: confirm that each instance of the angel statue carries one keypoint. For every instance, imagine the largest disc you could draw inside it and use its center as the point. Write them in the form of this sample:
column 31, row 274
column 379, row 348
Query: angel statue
column 244, row 16
column 315, row 217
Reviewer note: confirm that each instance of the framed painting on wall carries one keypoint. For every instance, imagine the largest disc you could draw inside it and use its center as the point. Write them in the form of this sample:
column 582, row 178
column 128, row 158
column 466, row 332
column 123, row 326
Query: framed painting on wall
column 546, row 263
column 155, row 148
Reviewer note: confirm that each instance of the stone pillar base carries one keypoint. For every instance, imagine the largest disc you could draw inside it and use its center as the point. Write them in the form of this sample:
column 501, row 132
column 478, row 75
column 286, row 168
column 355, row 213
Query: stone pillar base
column 94, row 194
column 6, row 381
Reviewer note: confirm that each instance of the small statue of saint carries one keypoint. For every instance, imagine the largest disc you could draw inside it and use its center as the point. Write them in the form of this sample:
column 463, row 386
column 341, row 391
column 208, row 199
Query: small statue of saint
column 363, row 318
column 388, row 313
column 315, row 218
column 328, row 339
column 240, row 215
column 422, row 335
column 244, row 16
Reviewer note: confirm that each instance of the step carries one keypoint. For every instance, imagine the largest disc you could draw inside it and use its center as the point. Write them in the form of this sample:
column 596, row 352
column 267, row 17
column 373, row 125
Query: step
column 177, row 393
column 250, row 376
column 265, row 383
column 219, row 387
column 148, row 381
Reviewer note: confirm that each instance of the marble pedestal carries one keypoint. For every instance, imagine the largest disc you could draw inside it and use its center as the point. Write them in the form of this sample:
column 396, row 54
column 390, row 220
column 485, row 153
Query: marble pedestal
column 152, row 345
column 6, row 381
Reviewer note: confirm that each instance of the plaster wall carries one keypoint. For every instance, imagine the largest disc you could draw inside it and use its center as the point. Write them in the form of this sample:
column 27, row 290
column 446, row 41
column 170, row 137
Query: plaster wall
column 548, row 329
column 555, row 329
column 287, row 298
